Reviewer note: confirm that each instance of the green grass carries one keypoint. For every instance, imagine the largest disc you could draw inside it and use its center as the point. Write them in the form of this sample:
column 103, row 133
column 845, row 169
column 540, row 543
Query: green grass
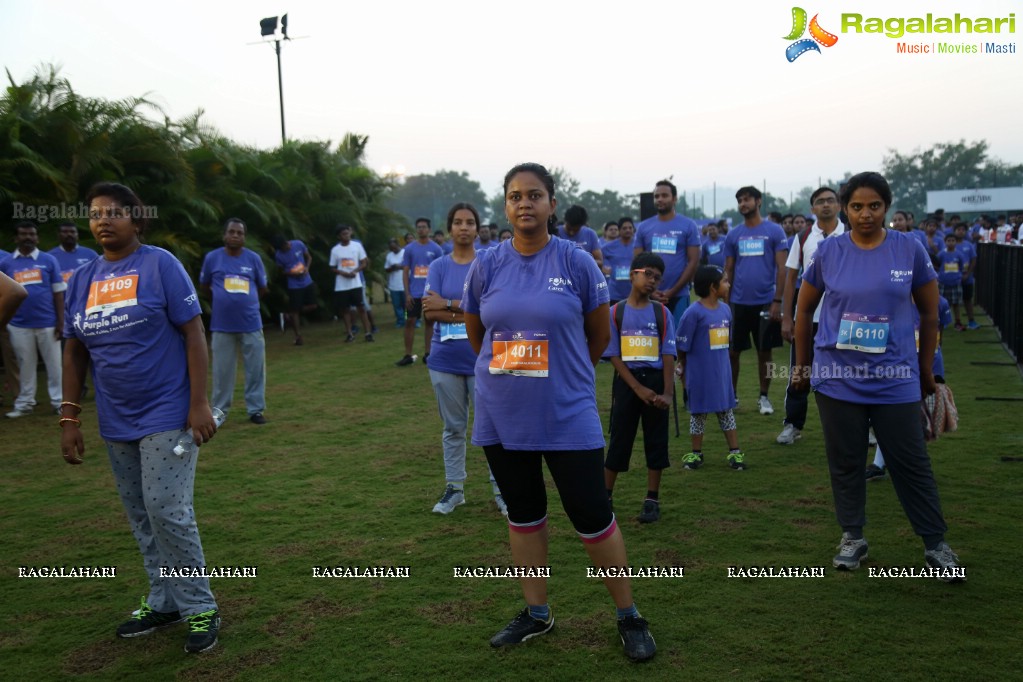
column 346, row 473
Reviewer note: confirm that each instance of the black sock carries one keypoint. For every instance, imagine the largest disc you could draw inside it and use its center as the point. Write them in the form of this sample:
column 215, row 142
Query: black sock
column 651, row 495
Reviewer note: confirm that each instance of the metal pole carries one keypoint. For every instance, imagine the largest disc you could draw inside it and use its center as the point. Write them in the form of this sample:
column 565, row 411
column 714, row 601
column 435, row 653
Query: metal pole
column 280, row 89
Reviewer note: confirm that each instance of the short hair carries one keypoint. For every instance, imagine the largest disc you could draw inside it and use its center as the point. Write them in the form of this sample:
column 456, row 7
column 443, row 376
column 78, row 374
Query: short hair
column 438, row 232
column 24, row 224
column 867, row 180
column 277, row 241
column 423, row 220
column 646, row 259
column 774, row 216
column 626, row 219
column 670, row 185
column 706, row 276
column 819, row 191
column 67, row 223
column 576, row 215
column 341, row 227
column 749, row 191
column 227, row 223
column 503, row 230
column 787, row 215
column 463, row 206
column 125, row 197
column 904, row 214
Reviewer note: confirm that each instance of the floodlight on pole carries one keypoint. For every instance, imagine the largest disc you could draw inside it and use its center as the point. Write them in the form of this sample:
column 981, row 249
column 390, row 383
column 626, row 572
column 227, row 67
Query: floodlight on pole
column 268, row 27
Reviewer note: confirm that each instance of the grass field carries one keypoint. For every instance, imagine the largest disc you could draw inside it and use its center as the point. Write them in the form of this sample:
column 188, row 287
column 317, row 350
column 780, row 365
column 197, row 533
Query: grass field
column 346, row 473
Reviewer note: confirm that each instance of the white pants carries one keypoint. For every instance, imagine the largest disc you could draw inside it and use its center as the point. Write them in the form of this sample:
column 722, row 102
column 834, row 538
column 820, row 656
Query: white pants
column 29, row 345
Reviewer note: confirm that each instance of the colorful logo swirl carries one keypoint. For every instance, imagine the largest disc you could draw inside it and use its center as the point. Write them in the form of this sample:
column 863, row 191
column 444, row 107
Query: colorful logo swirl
column 804, row 45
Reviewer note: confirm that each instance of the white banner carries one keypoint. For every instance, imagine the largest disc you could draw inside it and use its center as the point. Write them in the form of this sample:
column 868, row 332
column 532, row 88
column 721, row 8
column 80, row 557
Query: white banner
column 976, row 200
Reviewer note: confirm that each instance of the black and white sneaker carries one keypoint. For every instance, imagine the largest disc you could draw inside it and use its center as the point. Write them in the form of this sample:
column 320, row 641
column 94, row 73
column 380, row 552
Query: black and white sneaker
column 203, row 630
column 636, row 638
column 146, row 620
column 522, row 627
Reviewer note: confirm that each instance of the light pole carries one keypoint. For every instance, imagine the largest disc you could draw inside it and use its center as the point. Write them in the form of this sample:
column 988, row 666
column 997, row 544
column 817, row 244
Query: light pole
column 268, row 27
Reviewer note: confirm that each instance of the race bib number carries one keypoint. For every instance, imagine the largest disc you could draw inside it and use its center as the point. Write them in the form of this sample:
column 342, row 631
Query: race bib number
column 520, row 353
column 347, row 263
column 66, row 275
column 31, row 276
column 420, row 271
column 952, row 266
column 639, row 345
column 865, row 333
column 719, row 335
column 622, row 273
column 664, row 245
column 110, row 294
column 751, row 247
column 236, row 285
column 452, row 331
column 298, row 268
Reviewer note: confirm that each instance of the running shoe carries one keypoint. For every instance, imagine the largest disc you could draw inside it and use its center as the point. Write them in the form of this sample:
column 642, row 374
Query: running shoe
column 298, row 340
column 14, row 414
column 765, row 405
column 636, row 638
column 948, row 561
column 651, row 512
column 501, row 506
column 850, row 553
column 522, row 627
column 424, row 358
column 374, row 330
column 789, row 435
column 451, row 498
column 146, row 620
column 972, row 324
column 876, row 473
column 692, row 460
column 736, row 460
column 257, row 418
column 203, row 630
column 349, row 338
column 960, row 327
column 369, row 338
column 405, row 361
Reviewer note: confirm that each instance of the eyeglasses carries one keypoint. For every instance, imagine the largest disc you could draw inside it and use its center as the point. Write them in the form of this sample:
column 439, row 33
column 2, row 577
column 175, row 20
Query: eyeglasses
column 649, row 274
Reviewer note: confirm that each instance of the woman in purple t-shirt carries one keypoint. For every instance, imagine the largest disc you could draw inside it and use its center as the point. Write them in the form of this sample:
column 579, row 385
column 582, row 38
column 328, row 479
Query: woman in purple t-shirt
column 134, row 314
column 866, row 370
column 536, row 312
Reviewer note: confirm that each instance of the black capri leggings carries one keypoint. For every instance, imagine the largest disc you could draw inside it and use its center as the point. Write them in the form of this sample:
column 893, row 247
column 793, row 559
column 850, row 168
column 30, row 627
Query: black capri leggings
column 578, row 475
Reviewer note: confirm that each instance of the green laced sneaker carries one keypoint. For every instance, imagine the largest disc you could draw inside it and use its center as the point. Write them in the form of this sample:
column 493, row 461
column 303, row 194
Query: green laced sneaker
column 736, row 460
column 692, row 460
column 203, row 629
column 146, row 620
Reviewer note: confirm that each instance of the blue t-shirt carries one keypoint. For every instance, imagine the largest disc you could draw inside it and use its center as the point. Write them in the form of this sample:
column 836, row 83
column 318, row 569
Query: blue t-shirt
column 447, row 247
column 865, row 349
column 944, row 320
column 532, row 309
column 969, row 251
column 669, row 239
column 951, row 265
column 586, row 239
column 69, row 262
column 756, row 269
column 479, row 246
column 41, row 278
column 450, row 351
column 417, row 259
column 703, row 335
column 235, row 282
column 637, row 342
column 618, row 257
column 127, row 313
column 293, row 261
column 713, row 251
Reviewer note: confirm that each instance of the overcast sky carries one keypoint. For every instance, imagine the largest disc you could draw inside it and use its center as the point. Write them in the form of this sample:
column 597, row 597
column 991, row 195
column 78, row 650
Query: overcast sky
column 618, row 93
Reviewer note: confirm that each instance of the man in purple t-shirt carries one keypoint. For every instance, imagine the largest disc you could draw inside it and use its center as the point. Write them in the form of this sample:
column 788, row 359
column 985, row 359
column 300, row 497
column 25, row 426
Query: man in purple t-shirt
column 294, row 259
column 755, row 254
column 236, row 278
column 418, row 256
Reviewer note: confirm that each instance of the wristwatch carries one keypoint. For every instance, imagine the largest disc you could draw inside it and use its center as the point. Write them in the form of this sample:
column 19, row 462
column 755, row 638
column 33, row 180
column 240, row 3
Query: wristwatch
column 449, row 304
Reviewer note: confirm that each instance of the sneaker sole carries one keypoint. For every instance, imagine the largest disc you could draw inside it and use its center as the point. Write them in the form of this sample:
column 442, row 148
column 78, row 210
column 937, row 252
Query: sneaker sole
column 639, row 659
column 201, row 651
column 526, row 638
column 848, row 567
column 150, row 631
column 441, row 511
column 787, row 441
column 765, row 412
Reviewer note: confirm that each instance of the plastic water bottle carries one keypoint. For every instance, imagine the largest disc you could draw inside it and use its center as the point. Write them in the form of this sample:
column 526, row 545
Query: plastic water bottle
column 186, row 441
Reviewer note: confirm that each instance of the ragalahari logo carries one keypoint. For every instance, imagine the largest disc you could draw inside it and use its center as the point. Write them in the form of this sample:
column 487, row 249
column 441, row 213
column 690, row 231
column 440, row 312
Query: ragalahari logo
column 818, row 35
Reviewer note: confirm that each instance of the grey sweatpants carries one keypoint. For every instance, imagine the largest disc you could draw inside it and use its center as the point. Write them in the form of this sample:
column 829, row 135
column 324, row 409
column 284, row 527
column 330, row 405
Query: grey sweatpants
column 156, row 490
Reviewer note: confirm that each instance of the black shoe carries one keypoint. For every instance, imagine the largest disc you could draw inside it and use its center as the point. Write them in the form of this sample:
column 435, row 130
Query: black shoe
column 369, row 338
column 424, row 358
column 651, row 512
column 146, row 621
column 405, row 361
column 875, row 473
column 203, row 635
column 258, row 418
column 522, row 627
column 636, row 638
column 349, row 338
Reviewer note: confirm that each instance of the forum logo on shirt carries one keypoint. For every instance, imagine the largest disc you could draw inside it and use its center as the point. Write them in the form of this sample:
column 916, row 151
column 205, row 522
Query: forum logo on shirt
column 558, row 283
column 803, row 45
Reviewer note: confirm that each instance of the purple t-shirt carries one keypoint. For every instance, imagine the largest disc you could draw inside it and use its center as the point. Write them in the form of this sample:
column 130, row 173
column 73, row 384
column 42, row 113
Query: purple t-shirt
column 637, row 343
column 479, row 246
column 865, row 349
column 586, row 239
column 532, row 309
column 969, row 251
column 669, row 239
column 713, row 251
column 38, row 276
column 450, row 351
column 618, row 257
column 127, row 314
column 293, row 260
column 756, row 269
column 944, row 320
column 235, row 282
column 69, row 262
column 951, row 265
column 448, row 247
column 417, row 259
column 703, row 335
